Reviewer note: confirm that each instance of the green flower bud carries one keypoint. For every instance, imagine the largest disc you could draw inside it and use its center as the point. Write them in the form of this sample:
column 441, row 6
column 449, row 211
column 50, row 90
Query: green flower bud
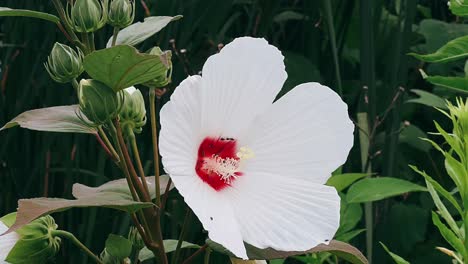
column 133, row 113
column 107, row 258
column 34, row 243
column 98, row 101
column 135, row 237
column 88, row 15
column 64, row 63
column 165, row 78
column 121, row 13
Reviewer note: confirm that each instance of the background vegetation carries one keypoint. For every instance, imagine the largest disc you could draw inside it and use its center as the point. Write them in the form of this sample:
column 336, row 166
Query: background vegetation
column 359, row 48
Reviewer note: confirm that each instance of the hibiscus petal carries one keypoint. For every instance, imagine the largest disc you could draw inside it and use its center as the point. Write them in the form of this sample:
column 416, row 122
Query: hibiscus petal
column 179, row 142
column 239, row 83
column 283, row 212
column 214, row 212
column 305, row 134
column 7, row 242
column 180, row 123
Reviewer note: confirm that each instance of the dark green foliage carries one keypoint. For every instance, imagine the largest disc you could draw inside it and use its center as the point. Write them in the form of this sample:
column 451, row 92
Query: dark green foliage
column 370, row 47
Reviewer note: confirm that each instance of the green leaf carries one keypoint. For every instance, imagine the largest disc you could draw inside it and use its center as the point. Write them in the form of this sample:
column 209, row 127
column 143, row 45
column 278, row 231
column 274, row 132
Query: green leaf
column 446, row 194
column 118, row 246
column 412, row 135
column 53, row 119
column 340, row 249
column 456, row 171
column 458, row 7
column 448, row 235
column 120, row 186
column 374, row 189
column 457, row 84
column 428, row 99
column 350, row 216
column 140, row 31
column 443, row 210
column 437, row 33
column 115, row 198
column 4, row 11
column 170, row 245
column 120, row 67
column 410, row 220
column 289, row 15
column 452, row 51
column 346, row 237
column 395, row 257
column 342, row 181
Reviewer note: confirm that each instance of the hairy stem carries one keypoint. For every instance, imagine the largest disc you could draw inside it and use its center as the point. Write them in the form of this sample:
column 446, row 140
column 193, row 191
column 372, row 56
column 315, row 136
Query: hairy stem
column 154, row 133
column 114, row 36
column 137, row 158
column 76, row 242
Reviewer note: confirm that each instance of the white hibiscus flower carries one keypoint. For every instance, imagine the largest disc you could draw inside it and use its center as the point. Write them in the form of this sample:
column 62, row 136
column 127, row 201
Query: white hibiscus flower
column 7, row 242
column 250, row 169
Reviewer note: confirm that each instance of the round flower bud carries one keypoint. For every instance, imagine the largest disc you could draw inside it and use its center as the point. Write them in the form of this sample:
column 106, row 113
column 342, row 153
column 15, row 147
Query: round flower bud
column 121, row 13
column 133, row 113
column 88, row 15
column 64, row 63
column 33, row 243
column 98, row 102
column 165, row 77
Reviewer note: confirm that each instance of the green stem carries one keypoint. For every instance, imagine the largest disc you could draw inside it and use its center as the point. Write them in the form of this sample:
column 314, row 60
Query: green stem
column 144, row 196
column 114, row 36
column 207, row 256
column 137, row 158
column 154, row 133
column 151, row 214
column 92, row 45
column 331, row 31
column 76, row 85
column 74, row 240
column 108, row 144
column 85, row 39
column 61, row 12
column 363, row 123
column 185, row 225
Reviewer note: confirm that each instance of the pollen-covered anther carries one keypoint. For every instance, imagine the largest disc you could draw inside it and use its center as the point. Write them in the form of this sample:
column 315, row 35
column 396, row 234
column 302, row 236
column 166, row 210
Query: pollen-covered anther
column 226, row 168
column 245, row 153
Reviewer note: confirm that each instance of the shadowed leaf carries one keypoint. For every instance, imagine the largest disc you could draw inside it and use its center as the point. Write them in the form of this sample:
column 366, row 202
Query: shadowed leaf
column 338, row 248
column 140, row 31
column 4, row 11
column 453, row 50
column 53, row 119
column 114, row 194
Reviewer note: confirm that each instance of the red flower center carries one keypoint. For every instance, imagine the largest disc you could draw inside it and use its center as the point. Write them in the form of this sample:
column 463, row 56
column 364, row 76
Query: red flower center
column 217, row 162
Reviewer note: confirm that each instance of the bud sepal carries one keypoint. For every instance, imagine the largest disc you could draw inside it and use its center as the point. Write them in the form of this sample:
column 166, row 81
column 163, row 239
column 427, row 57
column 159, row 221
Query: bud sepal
column 121, row 13
column 36, row 242
column 64, row 64
column 166, row 77
column 98, row 102
column 87, row 16
column 133, row 113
